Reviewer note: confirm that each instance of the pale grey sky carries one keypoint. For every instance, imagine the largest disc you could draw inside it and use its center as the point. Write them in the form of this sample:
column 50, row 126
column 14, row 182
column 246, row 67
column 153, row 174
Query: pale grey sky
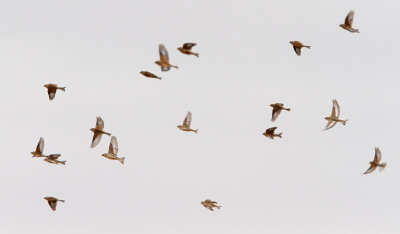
column 310, row 181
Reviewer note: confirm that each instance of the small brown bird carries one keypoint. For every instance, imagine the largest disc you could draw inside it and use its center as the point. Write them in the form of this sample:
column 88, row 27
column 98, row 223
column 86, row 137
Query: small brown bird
column 98, row 132
column 186, row 124
column 53, row 158
column 270, row 132
column 297, row 46
column 334, row 118
column 187, row 49
column 277, row 108
column 39, row 149
column 376, row 163
column 53, row 202
column 210, row 204
column 52, row 89
column 149, row 75
column 164, row 59
column 348, row 23
column 113, row 151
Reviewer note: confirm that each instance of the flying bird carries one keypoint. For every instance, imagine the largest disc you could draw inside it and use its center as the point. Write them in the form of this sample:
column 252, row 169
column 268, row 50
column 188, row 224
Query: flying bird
column 270, row 132
column 297, row 46
column 186, row 124
column 210, row 204
column 53, row 158
column 53, row 202
column 164, row 59
column 113, row 151
column 98, row 132
column 52, row 89
column 187, row 49
column 39, row 149
column 348, row 23
column 277, row 108
column 149, row 75
column 376, row 163
column 334, row 118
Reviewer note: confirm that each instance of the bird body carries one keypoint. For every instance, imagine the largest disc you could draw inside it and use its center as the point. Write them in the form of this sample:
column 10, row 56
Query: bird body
column 297, row 46
column 98, row 132
column 276, row 110
column 334, row 117
column 113, row 151
column 187, row 49
column 52, row 89
column 270, row 133
column 53, row 202
column 186, row 124
column 149, row 75
column 348, row 23
column 39, row 149
column 210, row 204
column 164, row 59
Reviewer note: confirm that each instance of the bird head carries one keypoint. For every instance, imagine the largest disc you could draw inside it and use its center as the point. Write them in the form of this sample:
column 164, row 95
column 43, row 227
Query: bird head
column 142, row 72
column 93, row 129
column 291, row 42
column 158, row 63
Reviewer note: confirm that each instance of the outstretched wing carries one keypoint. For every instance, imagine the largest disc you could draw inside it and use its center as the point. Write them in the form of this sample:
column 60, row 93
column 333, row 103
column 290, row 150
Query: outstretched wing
column 330, row 125
column 51, row 92
column 297, row 50
column 188, row 46
column 370, row 169
column 271, row 130
column 113, row 148
column 40, row 146
column 378, row 155
column 99, row 123
column 164, row 58
column 52, row 204
column 275, row 114
column 349, row 18
column 335, row 109
column 54, row 156
column 188, row 120
column 96, row 139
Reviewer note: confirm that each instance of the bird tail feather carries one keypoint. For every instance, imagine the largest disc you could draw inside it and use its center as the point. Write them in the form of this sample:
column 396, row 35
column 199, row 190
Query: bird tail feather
column 62, row 88
column 382, row 166
column 122, row 160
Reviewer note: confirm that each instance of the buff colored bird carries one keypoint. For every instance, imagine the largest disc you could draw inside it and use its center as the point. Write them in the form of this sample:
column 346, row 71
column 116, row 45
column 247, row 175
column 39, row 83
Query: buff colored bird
column 53, row 158
column 187, row 49
column 149, row 75
column 270, row 132
column 39, row 149
column 376, row 163
column 210, row 204
column 186, row 124
column 52, row 89
column 277, row 108
column 113, row 151
column 348, row 23
column 164, row 59
column 297, row 46
column 334, row 118
column 53, row 202
column 98, row 132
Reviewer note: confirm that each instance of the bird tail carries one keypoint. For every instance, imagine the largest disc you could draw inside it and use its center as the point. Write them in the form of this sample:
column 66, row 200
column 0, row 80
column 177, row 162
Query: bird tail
column 62, row 201
column 107, row 133
column 288, row 109
column 344, row 122
column 382, row 166
column 196, row 54
column 219, row 207
column 122, row 160
column 309, row 47
column 63, row 162
column 175, row 66
column 279, row 135
column 196, row 131
column 62, row 88
column 158, row 78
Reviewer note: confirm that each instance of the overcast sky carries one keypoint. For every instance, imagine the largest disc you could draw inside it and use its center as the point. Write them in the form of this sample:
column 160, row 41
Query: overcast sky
column 310, row 181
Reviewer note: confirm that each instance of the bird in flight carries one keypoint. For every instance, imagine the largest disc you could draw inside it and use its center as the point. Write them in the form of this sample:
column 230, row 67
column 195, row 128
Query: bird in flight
column 270, row 132
column 277, row 108
column 53, row 202
column 348, row 23
column 39, row 149
column 186, row 124
column 210, row 204
column 297, row 46
column 149, row 75
column 187, row 49
column 52, row 89
column 98, row 132
column 113, row 151
column 164, row 59
column 53, row 158
column 334, row 118
column 376, row 163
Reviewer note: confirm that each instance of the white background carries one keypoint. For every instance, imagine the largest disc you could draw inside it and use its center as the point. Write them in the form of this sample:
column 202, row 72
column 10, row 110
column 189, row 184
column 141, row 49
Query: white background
column 310, row 181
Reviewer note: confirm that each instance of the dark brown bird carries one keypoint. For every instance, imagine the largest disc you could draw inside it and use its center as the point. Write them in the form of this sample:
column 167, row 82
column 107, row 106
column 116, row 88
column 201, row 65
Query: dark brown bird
column 39, row 149
column 348, row 23
column 98, row 132
column 187, row 49
column 270, row 132
column 53, row 202
column 149, row 75
column 53, row 158
column 164, row 59
column 52, row 89
column 277, row 108
column 297, row 46
column 210, row 204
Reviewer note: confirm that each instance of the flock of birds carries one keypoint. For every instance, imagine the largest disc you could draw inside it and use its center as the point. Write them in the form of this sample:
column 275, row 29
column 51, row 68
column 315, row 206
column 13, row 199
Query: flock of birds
column 112, row 154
